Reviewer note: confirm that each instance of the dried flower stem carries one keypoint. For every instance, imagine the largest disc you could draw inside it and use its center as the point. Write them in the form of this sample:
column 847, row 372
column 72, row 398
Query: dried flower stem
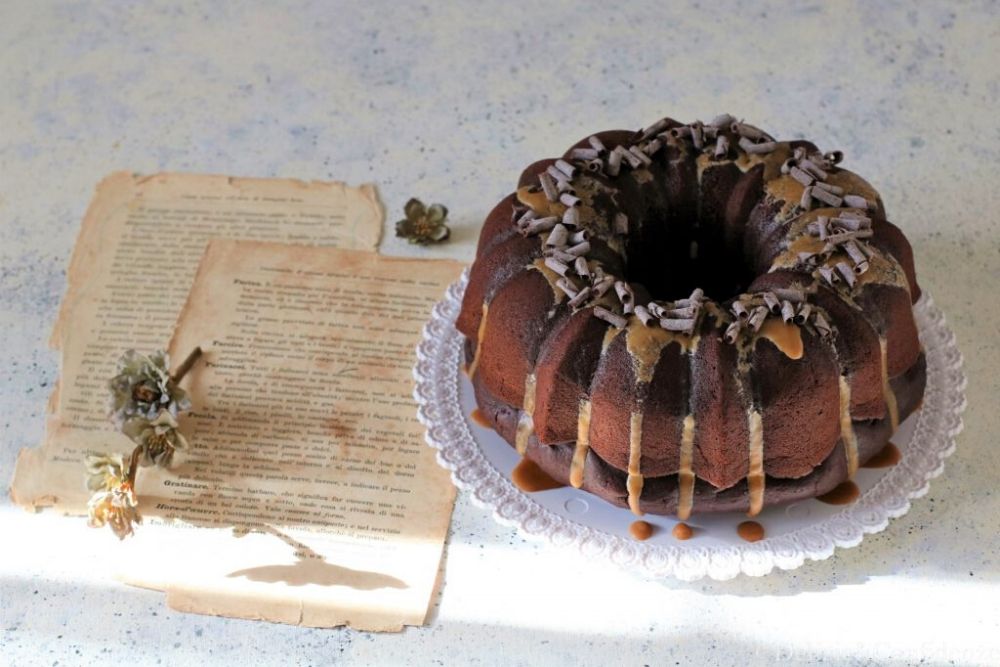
column 187, row 365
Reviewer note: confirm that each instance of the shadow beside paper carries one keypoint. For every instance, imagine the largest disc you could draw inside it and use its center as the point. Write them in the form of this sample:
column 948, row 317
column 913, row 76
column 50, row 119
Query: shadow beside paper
column 321, row 573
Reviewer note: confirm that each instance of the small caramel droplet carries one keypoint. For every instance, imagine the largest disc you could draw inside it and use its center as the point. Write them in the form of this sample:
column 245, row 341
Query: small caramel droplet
column 786, row 337
column 751, row 531
column 479, row 418
column 682, row 532
column 641, row 530
column 884, row 458
column 843, row 494
column 528, row 477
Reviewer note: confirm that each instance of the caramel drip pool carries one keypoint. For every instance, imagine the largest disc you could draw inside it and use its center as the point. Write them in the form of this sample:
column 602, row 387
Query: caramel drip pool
column 582, row 445
column 685, row 473
column 641, row 530
column 755, row 476
column 634, row 481
column 890, row 396
column 751, row 531
column 682, row 532
column 529, row 477
column 886, row 457
column 474, row 364
column 526, row 422
column 847, row 428
column 842, row 494
column 785, row 336
column 479, row 418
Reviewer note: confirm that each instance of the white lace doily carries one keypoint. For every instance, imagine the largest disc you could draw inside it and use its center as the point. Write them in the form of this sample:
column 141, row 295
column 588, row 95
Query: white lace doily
column 480, row 462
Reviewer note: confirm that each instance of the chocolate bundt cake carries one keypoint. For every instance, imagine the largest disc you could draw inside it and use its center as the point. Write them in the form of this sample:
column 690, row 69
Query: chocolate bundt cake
column 693, row 318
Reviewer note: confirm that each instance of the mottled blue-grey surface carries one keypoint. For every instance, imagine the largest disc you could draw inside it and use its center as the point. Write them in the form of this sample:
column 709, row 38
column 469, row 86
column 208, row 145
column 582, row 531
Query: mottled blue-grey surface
column 446, row 101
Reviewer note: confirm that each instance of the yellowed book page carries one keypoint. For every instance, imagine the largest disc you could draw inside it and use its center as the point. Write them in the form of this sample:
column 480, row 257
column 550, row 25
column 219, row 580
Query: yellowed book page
column 131, row 269
column 305, row 440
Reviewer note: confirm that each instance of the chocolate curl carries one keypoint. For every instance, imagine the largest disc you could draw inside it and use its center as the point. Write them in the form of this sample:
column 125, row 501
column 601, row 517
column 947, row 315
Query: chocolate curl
column 680, row 131
column 656, row 309
column 807, row 257
column 710, row 132
column 654, row 129
column 803, row 313
column 748, row 131
column 580, row 298
column 643, row 314
column 579, row 237
column 853, row 222
column 581, row 268
column 757, row 318
column 594, row 166
column 820, row 227
column 525, row 218
column 733, row 331
column 757, row 148
column 806, row 201
column 801, row 176
column 571, row 218
column 561, row 255
column 697, row 135
column 653, row 146
column 857, row 201
column 834, row 157
column 829, row 275
column 822, row 326
column 541, row 225
column 739, row 310
column 813, row 169
column 786, row 166
column 625, row 295
column 558, row 237
column 560, row 178
column 722, row 120
column 687, row 312
column 857, row 256
column 847, row 272
column 548, row 186
column 772, row 303
column 597, row 273
column 697, row 294
column 583, row 154
column 826, row 197
column 787, row 311
column 833, row 189
column 799, row 154
column 644, row 160
column 569, row 200
column 721, row 147
column 556, row 266
column 580, row 249
column 602, row 286
column 620, row 224
column 614, row 162
column 614, row 319
column 565, row 186
column 567, row 286
column 790, row 294
column 597, row 145
column 843, row 237
column 681, row 325
column 566, row 168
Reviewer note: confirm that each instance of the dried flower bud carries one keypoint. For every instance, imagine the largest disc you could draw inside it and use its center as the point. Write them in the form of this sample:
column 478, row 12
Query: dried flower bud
column 143, row 389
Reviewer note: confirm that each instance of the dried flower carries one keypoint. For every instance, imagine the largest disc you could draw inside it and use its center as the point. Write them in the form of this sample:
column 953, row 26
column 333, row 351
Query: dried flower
column 116, row 508
column 423, row 224
column 158, row 439
column 104, row 471
column 143, row 389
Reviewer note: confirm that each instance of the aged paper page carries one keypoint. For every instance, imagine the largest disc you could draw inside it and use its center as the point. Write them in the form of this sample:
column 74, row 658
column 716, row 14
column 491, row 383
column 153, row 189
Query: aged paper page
column 134, row 261
column 305, row 440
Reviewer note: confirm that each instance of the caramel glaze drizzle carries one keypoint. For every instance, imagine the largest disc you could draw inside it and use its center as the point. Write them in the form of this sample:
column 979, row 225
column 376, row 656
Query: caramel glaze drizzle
column 685, row 474
column 890, row 396
column 847, row 428
column 526, row 422
column 576, row 467
column 474, row 364
column 755, row 476
column 634, row 481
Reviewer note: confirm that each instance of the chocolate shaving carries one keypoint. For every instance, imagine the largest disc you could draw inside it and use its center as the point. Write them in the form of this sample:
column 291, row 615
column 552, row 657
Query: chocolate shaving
column 565, row 186
column 654, row 129
column 826, row 197
column 597, row 145
column 580, row 249
column 653, row 146
column 569, row 200
column 579, row 237
column 807, row 257
column 813, row 169
column 801, row 176
column 566, row 168
column 697, row 136
column 625, row 295
column 829, row 275
column 526, row 217
column 601, row 287
column 614, row 162
column 680, row 131
column 656, row 309
column 799, row 154
column 757, row 148
column 571, row 218
column 643, row 314
column 853, row 222
column 697, row 294
column 790, row 294
column 620, row 223
column 541, row 225
column 558, row 237
column 749, row 131
column 682, row 325
column 614, row 319
column 594, row 166
column 644, row 160
column 580, row 298
column 686, row 312
column 733, row 331
column 561, row 255
column 710, row 132
column 822, row 325
column 583, row 154
column 722, row 120
column 721, row 147
column 835, row 189
column 739, row 310
column 787, row 311
column 567, row 286
column 847, row 272
column 803, row 314
column 806, row 200
column 582, row 268
column 857, row 201
column 757, row 318
column 786, row 166
column 559, row 177
column 772, row 303
column 834, row 157
column 556, row 266
column 843, row 237
column 548, row 186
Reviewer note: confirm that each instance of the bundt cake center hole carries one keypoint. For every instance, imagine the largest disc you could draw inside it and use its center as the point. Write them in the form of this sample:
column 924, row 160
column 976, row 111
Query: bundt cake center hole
column 671, row 260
